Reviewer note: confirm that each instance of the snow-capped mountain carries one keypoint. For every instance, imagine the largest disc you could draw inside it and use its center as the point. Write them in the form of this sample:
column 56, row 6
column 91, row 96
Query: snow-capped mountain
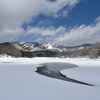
column 44, row 49
column 29, row 49
column 34, row 46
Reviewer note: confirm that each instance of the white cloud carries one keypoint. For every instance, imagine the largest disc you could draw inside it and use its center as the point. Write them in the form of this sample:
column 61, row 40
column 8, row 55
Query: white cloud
column 10, row 34
column 13, row 13
column 61, row 35
column 80, row 35
column 64, row 36
column 42, row 31
column 53, row 8
column 97, row 19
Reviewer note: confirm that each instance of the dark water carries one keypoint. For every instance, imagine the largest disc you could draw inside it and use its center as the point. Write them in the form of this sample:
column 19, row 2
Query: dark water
column 53, row 70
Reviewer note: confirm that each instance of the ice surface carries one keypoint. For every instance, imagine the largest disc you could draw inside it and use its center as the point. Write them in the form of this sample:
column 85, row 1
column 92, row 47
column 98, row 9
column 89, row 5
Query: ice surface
column 86, row 74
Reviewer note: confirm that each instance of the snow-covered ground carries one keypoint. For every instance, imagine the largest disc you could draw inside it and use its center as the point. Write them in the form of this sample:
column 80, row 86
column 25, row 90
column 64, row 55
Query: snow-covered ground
column 19, row 81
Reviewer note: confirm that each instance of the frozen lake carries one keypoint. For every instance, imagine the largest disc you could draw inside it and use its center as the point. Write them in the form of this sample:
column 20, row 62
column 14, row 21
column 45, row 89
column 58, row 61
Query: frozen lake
column 19, row 81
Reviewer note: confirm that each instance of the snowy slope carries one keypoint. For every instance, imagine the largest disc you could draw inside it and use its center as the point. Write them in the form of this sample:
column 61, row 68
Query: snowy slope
column 33, row 46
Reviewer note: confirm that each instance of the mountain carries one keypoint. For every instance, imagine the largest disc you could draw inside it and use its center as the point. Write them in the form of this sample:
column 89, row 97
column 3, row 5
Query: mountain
column 44, row 49
column 8, row 49
column 65, row 48
column 84, row 50
column 29, row 49
column 34, row 46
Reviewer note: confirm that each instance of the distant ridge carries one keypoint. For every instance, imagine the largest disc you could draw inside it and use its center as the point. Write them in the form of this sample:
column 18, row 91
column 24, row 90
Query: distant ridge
column 35, row 49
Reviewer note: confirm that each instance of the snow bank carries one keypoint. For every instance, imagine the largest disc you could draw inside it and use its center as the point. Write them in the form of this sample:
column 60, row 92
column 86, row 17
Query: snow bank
column 81, row 62
column 5, row 56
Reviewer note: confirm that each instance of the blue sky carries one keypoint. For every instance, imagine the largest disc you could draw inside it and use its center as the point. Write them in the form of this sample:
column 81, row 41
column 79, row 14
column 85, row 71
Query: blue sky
column 67, row 22
column 85, row 12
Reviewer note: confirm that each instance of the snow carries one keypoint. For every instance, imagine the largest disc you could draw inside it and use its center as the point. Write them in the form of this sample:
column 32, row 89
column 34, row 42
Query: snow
column 85, row 74
column 32, row 46
column 48, row 45
column 19, row 81
column 5, row 55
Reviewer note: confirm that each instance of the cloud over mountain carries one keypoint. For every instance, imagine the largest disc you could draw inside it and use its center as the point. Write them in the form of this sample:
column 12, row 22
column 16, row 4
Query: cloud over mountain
column 14, row 13
column 67, row 36
column 81, row 34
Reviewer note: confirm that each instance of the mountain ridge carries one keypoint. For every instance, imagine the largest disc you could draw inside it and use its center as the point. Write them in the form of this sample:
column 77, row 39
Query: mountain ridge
column 32, row 49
